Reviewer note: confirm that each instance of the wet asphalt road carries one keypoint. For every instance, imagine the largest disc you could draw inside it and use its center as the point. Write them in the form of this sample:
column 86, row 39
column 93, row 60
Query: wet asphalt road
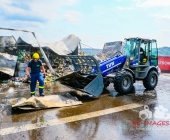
column 111, row 116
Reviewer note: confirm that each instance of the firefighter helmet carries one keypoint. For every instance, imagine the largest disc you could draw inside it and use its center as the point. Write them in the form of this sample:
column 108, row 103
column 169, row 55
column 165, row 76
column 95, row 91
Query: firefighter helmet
column 36, row 56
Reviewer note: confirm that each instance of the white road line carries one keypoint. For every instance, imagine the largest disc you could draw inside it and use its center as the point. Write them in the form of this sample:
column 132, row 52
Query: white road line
column 12, row 130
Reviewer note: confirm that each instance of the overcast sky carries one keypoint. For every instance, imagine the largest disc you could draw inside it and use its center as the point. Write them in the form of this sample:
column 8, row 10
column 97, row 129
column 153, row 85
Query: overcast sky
column 95, row 22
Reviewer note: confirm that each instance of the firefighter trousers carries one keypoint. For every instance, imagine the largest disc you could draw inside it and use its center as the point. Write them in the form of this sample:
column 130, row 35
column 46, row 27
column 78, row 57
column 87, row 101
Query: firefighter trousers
column 34, row 78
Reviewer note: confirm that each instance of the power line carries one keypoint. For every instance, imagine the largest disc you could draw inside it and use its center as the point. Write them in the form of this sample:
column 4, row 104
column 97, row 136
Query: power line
column 87, row 45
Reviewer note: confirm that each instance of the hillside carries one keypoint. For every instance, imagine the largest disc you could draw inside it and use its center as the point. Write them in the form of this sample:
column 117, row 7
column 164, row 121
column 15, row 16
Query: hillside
column 163, row 51
column 91, row 51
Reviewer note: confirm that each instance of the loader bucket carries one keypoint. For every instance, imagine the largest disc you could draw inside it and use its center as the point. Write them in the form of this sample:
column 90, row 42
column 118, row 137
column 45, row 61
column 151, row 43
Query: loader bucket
column 90, row 84
column 95, row 87
column 86, row 76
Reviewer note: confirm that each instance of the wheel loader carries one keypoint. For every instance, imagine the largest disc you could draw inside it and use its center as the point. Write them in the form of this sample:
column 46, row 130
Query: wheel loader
column 91, row 76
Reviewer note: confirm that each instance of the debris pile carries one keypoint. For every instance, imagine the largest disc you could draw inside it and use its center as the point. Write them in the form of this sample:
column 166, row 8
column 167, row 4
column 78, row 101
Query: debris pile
column 50, row 78
column 110, row 49
column 62, row 66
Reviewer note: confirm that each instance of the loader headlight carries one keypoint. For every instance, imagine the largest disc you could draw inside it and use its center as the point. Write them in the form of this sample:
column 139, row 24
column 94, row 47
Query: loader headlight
column 127, row 63
column 131, row 58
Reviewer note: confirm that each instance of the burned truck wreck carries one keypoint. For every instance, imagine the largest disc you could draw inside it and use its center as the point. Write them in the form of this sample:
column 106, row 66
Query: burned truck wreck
column 14, row 54
column 8, row 57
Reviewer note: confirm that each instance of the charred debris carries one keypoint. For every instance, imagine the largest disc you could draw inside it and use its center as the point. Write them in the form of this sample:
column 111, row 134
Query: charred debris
column 15, row 54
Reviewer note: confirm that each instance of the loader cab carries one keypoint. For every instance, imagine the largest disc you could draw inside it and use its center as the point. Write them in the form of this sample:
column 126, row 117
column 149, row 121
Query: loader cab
column 141, row 51
column 142, row 56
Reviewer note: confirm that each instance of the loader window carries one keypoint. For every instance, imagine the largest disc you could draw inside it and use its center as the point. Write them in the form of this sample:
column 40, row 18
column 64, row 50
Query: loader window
column 153, row 53
column 131, row 48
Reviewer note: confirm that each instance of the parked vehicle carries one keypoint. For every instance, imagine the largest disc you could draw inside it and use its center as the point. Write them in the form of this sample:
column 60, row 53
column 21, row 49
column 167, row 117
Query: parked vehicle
column 123, row 69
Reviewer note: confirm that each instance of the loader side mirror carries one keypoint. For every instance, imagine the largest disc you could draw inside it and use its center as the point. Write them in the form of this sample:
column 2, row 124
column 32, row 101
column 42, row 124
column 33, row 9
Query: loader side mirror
column 131, row 58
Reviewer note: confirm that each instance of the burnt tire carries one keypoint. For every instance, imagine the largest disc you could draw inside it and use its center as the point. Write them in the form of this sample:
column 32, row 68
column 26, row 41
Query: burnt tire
column 123, row 82
column 150, row 82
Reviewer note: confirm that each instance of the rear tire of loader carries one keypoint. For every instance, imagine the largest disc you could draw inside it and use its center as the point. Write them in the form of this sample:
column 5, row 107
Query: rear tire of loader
column 123, row 82
column 151, row 80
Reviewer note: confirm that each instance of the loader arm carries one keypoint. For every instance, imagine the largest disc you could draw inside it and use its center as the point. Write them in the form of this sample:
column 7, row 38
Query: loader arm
column 88, row 73
column 83, row 78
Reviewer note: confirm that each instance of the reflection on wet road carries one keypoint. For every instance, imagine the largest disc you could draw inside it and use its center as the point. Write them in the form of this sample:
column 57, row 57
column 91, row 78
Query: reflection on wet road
column 111, row 116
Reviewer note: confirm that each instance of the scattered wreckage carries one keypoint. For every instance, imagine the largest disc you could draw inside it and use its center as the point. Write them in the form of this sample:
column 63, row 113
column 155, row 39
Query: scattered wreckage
column 14, row 56
column 121, row 64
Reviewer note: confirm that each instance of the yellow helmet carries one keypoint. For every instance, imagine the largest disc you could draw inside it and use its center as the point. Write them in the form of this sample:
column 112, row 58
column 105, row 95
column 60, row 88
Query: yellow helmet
column 36, row 56
column 144, row 60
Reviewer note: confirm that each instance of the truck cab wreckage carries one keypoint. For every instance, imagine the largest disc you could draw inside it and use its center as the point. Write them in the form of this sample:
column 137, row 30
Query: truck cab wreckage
column 123, row 69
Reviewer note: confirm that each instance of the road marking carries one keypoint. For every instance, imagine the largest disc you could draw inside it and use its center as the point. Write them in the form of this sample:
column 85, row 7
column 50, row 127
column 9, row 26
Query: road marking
column 12, row 130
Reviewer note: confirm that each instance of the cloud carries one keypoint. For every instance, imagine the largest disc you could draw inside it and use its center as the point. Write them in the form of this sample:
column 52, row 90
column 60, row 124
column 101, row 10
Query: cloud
column 162, row 37
column 22, row 24
column 166, row 32
column 162, row 20
column 124, row 8
column 31, row 18
column 145, row 4
column 160, row 16
column 72, row 16
column 36, row 11
column 152, row 3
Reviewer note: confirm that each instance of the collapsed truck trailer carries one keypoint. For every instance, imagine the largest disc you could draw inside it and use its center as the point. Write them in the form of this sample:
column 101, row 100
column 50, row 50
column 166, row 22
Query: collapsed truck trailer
column 123, row 70
column 15, row 54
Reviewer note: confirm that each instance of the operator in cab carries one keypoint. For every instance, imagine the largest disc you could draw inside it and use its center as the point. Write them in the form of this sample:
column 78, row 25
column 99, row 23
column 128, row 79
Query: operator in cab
column 142, row 55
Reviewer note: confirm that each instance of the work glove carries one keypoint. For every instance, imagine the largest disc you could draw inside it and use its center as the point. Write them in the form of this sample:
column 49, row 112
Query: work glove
column 28, row 76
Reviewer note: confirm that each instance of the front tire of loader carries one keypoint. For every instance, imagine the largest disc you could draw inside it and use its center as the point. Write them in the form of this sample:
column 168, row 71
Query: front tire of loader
column 151, row 80
column 123, row 82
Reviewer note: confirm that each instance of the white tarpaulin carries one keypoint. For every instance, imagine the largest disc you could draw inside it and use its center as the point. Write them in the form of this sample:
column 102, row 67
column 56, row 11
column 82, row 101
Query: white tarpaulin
column 50, row 101
column 66, row 46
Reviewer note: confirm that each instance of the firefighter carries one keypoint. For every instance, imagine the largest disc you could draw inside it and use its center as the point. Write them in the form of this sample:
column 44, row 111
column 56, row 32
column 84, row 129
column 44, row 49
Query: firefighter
column 33, row 71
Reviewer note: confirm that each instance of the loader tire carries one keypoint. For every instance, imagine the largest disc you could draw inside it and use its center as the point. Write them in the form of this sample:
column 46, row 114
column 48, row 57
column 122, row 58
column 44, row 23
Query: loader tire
column 151, row 80
column 123, row 82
